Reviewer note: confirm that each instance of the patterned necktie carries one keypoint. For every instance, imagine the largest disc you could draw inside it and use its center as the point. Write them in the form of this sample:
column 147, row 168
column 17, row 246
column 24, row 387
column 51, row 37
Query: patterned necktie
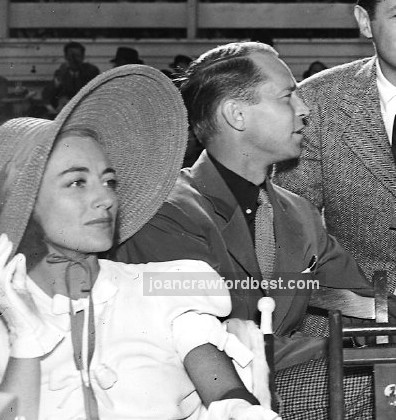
column 394, row 139
column 264, row 235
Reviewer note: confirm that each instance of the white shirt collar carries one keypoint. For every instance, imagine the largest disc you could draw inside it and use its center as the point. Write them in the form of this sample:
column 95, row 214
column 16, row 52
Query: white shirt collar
column 387, row 91
column 387, row 96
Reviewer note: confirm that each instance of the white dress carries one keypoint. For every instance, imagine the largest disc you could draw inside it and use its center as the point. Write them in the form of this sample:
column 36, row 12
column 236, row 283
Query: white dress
column 141, row 339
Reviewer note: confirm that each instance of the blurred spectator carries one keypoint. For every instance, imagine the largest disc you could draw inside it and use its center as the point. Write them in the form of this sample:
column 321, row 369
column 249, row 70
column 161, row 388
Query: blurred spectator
column 3, row 94
column 168, row 73
column 69, row 78
column 126, row 55
column 3, row 87
column 315, row 67
column 180, row 64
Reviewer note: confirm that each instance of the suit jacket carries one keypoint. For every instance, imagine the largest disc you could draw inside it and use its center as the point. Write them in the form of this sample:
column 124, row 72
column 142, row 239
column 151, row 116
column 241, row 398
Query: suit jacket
column 346, row 165
column 202, row 220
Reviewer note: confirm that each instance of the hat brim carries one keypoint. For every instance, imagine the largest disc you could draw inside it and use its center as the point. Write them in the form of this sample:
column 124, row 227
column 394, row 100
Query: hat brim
column 141, row 122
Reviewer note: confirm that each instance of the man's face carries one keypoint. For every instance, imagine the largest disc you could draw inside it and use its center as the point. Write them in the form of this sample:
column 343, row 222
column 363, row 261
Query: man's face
column 274, row 124
column 75, row 57
column 383, row 32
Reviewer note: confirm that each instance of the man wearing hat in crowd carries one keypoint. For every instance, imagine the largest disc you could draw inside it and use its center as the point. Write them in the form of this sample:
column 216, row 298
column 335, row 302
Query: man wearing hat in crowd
column 224, row 210
column 126, row 55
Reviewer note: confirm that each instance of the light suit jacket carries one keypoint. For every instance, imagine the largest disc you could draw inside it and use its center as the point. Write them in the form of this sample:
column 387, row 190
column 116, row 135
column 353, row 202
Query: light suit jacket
column 346, row 166
column 202, row 220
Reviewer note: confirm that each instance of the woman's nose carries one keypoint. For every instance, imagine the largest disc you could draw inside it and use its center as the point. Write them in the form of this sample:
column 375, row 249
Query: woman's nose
column 105, row 198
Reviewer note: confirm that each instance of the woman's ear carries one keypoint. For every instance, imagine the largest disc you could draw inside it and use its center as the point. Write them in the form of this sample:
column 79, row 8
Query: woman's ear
column 233, row 114
column 363, row 20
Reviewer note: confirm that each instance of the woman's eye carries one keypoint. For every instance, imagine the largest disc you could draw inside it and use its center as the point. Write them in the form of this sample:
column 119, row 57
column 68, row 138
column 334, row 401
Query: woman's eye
column 111, row 183
column 77, row 183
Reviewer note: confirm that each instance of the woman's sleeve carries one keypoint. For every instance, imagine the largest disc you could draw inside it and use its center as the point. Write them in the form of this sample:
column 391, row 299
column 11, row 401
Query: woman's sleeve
column 193, row 311
column 203, row 343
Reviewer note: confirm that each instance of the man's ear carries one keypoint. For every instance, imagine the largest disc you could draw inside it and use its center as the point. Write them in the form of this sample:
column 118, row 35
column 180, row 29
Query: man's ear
column 232, row 112
column 363, row 20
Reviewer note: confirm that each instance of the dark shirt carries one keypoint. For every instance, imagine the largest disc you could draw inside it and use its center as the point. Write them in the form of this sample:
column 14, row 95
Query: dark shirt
column 244, row 191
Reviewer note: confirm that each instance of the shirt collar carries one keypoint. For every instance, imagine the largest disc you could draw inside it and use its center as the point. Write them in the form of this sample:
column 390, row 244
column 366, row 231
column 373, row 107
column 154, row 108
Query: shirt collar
column 244, row 191
column 387, row 91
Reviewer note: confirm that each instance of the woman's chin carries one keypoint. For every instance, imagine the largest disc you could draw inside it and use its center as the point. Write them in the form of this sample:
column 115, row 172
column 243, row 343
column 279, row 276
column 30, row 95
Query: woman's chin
column 97, row 247
column 92, row 246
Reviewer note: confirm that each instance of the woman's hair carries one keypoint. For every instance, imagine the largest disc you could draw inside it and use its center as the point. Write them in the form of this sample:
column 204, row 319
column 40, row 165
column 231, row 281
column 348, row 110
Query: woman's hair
column 78, row 132
column 33, row 245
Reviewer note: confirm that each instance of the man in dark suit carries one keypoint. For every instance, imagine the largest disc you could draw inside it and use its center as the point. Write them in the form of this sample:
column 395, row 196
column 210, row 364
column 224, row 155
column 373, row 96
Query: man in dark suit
column 210, row 214
column 243, row 107
column 348, row 162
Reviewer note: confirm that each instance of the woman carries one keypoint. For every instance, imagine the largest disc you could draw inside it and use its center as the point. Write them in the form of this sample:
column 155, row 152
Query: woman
column 86, row 339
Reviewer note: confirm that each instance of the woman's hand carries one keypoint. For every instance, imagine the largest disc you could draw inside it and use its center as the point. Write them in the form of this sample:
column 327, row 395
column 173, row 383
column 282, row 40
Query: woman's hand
column 30, row 335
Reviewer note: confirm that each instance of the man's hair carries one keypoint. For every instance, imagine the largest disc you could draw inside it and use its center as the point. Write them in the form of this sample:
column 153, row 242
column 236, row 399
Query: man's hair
column 226, row 71
column 370, row 6
column 73, row 44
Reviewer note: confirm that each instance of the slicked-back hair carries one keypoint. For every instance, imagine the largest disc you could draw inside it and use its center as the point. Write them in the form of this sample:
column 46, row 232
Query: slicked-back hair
column 370, row 6
column 227, row 71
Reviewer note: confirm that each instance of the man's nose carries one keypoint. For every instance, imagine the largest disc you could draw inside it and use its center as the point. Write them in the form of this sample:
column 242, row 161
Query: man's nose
column 302, row 109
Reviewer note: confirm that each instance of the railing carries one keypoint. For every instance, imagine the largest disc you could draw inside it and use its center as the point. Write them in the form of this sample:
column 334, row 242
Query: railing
column 35, row 59
column 191, row 15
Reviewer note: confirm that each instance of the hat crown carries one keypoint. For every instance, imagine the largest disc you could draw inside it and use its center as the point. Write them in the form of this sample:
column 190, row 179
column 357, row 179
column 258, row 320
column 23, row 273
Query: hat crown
column 129, row 55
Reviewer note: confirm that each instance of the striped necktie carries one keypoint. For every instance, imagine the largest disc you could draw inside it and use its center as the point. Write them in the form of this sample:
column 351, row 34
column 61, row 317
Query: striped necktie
column 264, row 235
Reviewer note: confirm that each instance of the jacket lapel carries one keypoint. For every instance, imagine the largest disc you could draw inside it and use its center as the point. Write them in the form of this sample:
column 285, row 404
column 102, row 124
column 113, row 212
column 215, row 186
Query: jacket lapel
column 366, row 136
column 228, row 215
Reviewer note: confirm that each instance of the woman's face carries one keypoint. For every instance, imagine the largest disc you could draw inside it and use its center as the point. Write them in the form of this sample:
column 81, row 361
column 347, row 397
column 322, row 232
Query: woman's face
column 77, row 204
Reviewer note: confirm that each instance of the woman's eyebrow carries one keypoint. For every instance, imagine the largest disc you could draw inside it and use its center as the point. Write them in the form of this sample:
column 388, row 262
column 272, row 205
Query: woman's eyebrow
column 84, row 169
column 109, row 171
column 74, row 169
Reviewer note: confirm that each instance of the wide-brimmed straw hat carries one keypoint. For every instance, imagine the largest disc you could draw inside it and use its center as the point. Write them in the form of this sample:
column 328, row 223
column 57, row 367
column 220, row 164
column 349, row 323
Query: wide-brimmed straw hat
column 141, row 121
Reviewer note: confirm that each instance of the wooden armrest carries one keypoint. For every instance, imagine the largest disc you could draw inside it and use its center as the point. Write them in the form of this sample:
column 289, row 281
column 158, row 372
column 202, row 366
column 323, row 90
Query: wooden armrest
column 346, row 301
